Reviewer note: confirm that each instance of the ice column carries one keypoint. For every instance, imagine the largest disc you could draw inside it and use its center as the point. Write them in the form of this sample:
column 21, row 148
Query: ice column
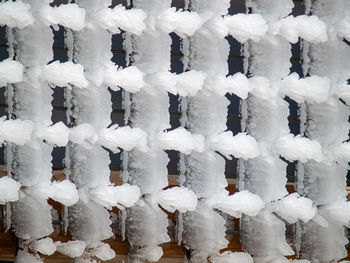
column 91, row 107
column 31, row 215
column 323, row 239
column 206, row 116
column 31, row 218
column 146, row 223
column 263, row 236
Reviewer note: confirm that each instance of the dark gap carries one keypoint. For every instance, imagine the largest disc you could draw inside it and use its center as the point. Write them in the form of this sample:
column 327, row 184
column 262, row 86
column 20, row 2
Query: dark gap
column 236, row 7
column 173, row 161
column 235, row 46
column 179, row 4
column 118, row 2
column 58, row 154
column 116, row 163
column 299, row 8
column 117, row 98
column 231, row 168
column 58, row 2
column 235, row 66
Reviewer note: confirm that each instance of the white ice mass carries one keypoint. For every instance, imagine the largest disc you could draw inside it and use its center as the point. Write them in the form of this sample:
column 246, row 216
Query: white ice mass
column 274, row 90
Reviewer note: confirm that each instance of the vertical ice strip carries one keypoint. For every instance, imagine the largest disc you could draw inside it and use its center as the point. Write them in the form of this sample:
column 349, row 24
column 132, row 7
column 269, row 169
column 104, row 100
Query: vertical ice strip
column 31, row 217
column 327, row 122
column 91, row 106
column 205, row 114
column 146, row 223
column 263, row 236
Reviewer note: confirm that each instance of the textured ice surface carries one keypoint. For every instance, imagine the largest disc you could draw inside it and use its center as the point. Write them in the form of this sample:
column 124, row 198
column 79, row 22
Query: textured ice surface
column 318, row 212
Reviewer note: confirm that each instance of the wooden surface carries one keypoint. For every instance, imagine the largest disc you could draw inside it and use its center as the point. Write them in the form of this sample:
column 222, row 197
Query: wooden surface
column 172, row 252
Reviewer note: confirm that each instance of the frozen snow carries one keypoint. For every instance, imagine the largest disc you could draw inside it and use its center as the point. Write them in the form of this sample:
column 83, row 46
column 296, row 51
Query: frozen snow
column 202, row 201
column 56, row 134
column 8, row 190
column 299, row 148
column 125, row 195
column 181, row 140
column 62, row 74
column 71, row 249
column 240, row 146
column 239, row 85
column 11, row 71
column 178, row 198
column 180, row 22
column 151, row 253
column 189, row 83
column 67, row 15
column 312, row 89
column 119, row 18
column 104, row 252
column 310, row 28
column 44, row 246
column 15, row 14
column 230, row 257
column 246, row 26
column 294, row 207
column 82, row 134
column 15, row 131
column 123, row 137
column 129, row 78
column 25, row 257
column 64, row 192
column 242, row 202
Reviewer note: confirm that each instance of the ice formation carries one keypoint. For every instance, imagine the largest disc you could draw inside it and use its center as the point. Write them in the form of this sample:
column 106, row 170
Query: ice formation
column 318, row 211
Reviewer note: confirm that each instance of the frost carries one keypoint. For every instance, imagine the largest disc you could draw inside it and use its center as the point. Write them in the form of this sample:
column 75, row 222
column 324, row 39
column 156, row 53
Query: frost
column 44, row 246
column 64, row 192
column 125, row 195
column 310, row 28
column 312, row 89
column 71, row 249
column 103, row 252
column 240, row 146
column 294, row 207
column 229, row 257
column 16, row 131
column 242, row 202
column 8, row 190
column 124, row 137
column 189, row 83
column 11, row 71
column 129, row 78
column 62, row 74
column 299, row 148
column 180, row 22
column 68, row 15
column 178, row 198
column 246, row 26
column 15, row 14
column 119, row 18
column 150, row 253
column 25, row 257
column 181, row 140
column 56, row 134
